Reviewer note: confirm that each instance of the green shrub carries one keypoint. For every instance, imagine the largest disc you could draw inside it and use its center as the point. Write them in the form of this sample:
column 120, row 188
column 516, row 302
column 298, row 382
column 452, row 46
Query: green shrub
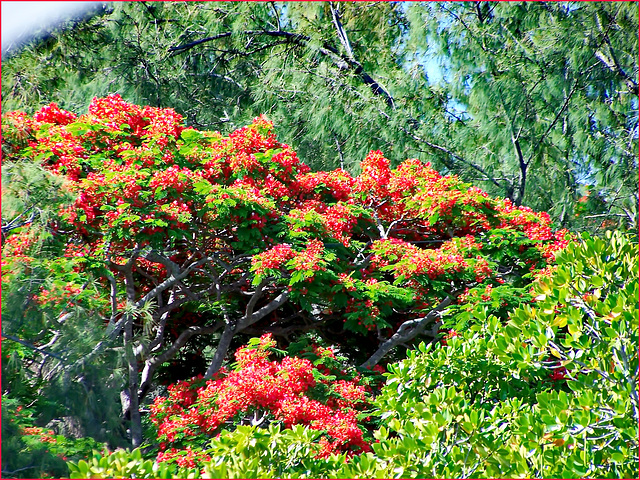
column 551, row 394
column 30, row 451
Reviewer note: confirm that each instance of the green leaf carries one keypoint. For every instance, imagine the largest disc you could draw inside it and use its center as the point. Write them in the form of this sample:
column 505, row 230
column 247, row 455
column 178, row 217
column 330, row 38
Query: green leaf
column 190, row 135
column 78, row 129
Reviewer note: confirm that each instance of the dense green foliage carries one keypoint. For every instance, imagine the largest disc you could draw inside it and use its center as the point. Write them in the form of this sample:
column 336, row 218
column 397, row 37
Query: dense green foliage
column 498, row 401
column 536, row 102
column 29, row 451
column 551, row 394
column 211, row 300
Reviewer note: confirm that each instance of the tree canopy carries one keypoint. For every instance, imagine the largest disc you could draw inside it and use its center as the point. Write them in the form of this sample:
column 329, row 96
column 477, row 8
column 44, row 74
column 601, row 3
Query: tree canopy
column 184, row 233
column 326, row 239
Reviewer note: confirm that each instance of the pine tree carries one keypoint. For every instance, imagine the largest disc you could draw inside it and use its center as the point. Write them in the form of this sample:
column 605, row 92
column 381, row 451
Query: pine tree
column 546, row 100
column 49, row 361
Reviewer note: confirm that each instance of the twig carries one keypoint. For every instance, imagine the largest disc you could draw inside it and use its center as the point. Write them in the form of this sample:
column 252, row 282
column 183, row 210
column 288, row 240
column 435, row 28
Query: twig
column 33, row 347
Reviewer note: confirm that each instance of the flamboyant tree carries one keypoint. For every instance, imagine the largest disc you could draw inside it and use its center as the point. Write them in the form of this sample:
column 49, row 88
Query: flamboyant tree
column 181, row 243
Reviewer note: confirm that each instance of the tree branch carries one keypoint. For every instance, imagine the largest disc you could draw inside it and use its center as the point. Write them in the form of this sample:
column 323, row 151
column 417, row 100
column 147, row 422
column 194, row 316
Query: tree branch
column 523, row 171
column 407, row 331
column 221, row 351
column 12, row 225
column 172, row 280
column 555, row 120
column 254, row 298
column 158, row 340
column 341, row 61
column 188, row 46
column 32, row 347
column 342, row 35
column 611, row 62
column 264, row 311
column 132, row 364
column 152, row 363
column 455, row 156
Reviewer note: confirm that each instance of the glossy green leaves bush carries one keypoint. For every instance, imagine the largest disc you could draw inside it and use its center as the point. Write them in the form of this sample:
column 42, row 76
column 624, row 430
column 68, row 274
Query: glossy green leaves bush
column 551, row 394
column 125, row 464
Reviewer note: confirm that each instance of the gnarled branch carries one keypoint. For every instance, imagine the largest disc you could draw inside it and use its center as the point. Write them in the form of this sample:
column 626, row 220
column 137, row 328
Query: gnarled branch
column 407, row 331
column 152, row 363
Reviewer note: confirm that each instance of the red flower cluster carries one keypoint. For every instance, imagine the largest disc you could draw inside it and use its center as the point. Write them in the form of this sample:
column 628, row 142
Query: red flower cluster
column 273, row 258
column 374, row 179
column 18, row 247
column 112, row 111
column 447, row 335
column 20, row 125
column 310, row 259
column 536, row 226
column 53, row 114
column 559, row 240
column 162, row 121
column 45, row 435
column 106, row 152
column 174, row 177
column 186, row 457
column 559, row 373
column 486, row 296
column 280, row 391
column 337, row 184
column 407, row 260
column 255, row 138
column 339, row 221
column 57, row 295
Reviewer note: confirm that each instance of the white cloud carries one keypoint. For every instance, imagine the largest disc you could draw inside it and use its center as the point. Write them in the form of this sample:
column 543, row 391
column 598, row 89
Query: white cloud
column 22, row 20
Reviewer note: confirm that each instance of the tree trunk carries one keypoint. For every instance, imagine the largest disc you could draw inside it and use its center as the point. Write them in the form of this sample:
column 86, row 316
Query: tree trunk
column 221, row 351
column 134, row 405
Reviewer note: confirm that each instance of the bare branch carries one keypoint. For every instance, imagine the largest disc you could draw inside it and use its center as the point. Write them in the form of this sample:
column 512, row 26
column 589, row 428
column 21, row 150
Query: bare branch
column 453, row 155
column 611, row 62
column 171, row 281
column 13, row 224
column 523, row 171
column 188, row 46
column 407, row 331
column 341, row 61
column 254, row 298
column 342, row 35
column 32, row 347
column 221, row 351
column 132, row 368
column 152, row 363
column 264, row 311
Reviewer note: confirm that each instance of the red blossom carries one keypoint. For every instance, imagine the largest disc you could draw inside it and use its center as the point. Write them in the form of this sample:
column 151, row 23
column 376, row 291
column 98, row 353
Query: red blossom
column 559, row 373
column 280, row 388
column 53, row 114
